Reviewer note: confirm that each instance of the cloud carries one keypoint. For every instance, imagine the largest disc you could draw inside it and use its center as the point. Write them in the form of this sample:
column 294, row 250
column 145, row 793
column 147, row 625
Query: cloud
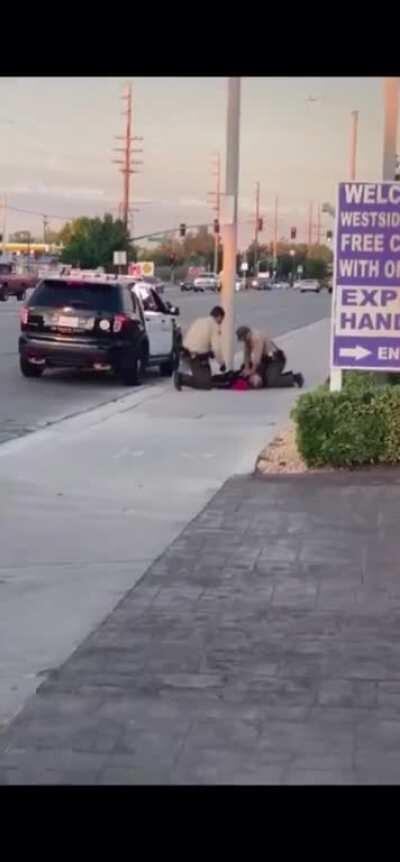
column 65, row 192
column 191, row 202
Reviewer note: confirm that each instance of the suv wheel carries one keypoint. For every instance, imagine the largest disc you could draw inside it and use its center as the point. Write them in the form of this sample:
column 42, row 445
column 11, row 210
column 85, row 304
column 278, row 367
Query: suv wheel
column 21, row 295
column 3, row 294
column 132, row 374
column 28, row 369
column 167, row 368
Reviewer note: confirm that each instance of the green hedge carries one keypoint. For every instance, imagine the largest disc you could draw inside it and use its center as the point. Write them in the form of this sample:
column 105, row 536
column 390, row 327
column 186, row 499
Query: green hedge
column 359, row 425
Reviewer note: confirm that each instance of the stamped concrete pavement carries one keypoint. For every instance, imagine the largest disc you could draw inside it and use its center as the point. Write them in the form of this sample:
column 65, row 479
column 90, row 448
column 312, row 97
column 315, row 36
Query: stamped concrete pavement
column 260, row 648
column 87, row 504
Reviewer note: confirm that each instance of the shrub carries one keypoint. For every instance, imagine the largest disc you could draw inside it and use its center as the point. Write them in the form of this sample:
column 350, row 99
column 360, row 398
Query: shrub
column 359, row 425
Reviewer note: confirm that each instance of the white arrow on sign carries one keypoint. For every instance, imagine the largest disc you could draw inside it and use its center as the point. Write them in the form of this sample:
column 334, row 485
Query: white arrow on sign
column 355, row 352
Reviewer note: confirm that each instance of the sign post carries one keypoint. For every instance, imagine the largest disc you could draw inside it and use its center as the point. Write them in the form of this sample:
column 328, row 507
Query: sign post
column 119, row 259
column 366, row 283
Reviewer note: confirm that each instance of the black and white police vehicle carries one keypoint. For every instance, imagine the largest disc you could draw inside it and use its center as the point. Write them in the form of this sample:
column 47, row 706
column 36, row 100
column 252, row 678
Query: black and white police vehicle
column 98, row 322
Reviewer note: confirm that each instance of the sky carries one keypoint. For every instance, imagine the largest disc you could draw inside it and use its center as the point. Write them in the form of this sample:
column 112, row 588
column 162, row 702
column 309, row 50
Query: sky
column 57, row 139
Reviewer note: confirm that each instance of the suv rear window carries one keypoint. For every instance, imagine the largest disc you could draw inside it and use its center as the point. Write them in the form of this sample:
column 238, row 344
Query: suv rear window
column 96, row 297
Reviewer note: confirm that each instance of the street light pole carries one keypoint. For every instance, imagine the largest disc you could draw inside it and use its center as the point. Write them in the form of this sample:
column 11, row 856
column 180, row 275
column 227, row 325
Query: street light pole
column 353, row 144
column 256, row 229
column 292, row 254
column 275, row 246
column 391, row 102
column 310, row 225
column 4, row 226
column 229, row 228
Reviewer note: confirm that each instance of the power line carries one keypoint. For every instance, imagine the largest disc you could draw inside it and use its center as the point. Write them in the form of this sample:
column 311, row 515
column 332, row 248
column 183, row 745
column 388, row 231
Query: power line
column 36, row 212
column 42, row 214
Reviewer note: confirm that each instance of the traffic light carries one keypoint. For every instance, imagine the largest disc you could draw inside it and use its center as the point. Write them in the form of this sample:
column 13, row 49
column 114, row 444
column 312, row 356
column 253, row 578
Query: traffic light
column 216, row 225
column 182, row 229
column 329, row 234
column 260, row 223
column 293, row 233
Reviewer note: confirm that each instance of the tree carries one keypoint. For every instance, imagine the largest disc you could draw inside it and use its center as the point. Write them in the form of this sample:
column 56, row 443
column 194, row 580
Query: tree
column 199, row 247
column 52, row 237
column 91, row 242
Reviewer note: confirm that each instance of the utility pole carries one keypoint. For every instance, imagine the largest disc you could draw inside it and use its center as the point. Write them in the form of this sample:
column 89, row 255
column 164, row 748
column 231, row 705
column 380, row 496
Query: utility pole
column 310, row 225
column 126, row 160
column 391, row 105
column 216, row 204
column 257, row 225
column 4, row 205
column 45, row 226
column 229, row 235
column 319, row 225
column 353, row 144
column 275, row 251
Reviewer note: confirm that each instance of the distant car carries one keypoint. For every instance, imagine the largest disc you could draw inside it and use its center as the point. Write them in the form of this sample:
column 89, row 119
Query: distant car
column 306, row 285
column 281, row 285
column 14, row 284
column 261, row 282
column 207, row 281
column 186, row 286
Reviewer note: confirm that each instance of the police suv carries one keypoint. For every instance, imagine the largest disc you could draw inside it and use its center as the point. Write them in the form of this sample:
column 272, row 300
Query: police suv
column 98, row 322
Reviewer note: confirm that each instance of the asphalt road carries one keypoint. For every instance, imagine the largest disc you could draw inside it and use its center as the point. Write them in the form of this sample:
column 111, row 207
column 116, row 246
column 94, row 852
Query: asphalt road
column 26, row 405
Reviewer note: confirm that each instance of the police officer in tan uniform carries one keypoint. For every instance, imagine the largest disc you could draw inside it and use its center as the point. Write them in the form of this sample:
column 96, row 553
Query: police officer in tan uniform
column 201, row 343
column 263, row 361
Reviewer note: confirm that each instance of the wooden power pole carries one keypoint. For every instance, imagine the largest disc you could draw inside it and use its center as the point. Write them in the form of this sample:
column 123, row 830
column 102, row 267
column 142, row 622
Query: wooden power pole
column 126, row 161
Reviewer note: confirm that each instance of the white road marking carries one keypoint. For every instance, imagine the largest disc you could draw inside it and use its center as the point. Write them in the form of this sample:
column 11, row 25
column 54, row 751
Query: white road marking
column 136, row 453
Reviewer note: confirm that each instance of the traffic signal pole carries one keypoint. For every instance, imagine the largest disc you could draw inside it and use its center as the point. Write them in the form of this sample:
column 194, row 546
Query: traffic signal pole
column 229, row 228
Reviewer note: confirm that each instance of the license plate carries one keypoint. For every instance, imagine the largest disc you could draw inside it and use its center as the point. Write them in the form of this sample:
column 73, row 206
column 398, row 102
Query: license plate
column 69, row 322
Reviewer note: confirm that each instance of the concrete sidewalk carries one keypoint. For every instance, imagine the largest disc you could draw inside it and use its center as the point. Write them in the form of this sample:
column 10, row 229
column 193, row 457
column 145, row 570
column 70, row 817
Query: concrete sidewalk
column 88, row 504
column 262, row 647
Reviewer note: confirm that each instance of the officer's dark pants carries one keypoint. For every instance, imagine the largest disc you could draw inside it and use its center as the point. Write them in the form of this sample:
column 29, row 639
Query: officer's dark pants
column 271, row 371
column 201, row 377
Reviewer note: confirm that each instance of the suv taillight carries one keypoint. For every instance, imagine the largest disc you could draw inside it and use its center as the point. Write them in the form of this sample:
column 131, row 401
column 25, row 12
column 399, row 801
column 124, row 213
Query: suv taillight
column 24, row 315
column 120, row 320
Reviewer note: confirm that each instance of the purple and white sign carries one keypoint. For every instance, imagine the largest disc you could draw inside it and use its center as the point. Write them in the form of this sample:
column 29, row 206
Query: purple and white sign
column 366, row 297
